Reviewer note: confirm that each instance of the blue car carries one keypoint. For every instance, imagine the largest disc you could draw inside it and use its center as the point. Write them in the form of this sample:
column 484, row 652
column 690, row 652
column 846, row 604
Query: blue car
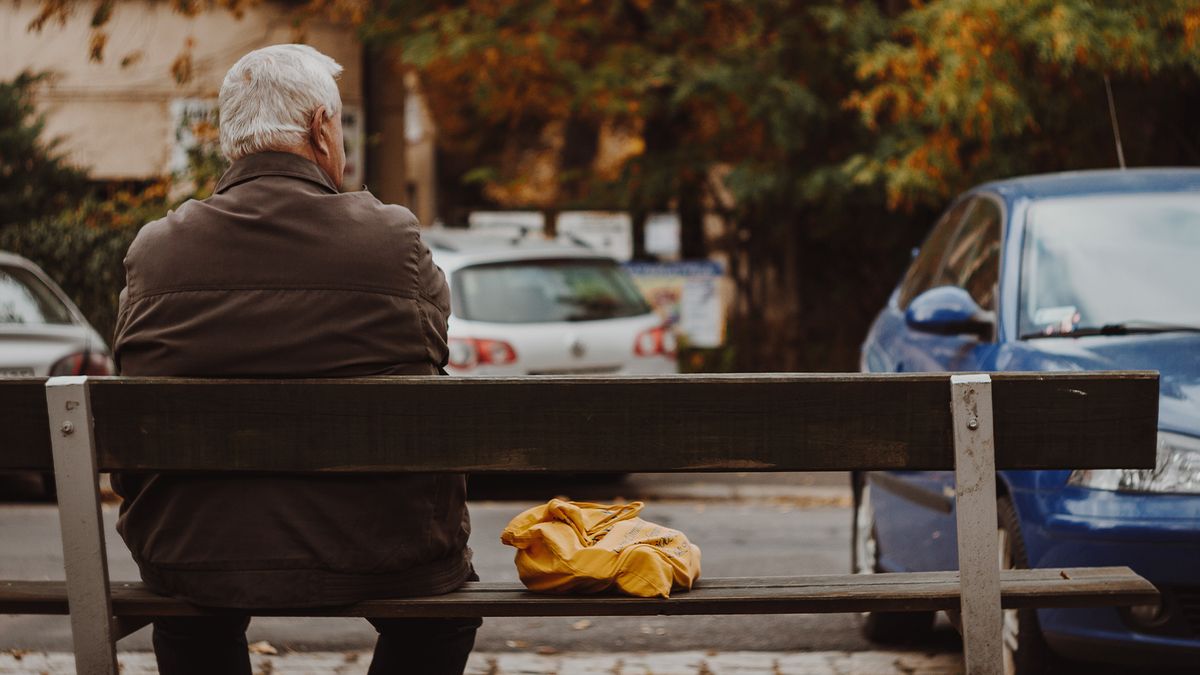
column 1096, row 270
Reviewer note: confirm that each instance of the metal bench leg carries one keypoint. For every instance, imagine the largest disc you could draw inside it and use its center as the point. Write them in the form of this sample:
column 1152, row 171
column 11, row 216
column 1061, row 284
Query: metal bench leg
column 69, row 406
column 978, row 547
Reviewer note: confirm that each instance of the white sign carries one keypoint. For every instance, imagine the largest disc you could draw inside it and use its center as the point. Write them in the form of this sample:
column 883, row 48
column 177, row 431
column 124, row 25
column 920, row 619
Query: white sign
column 662, row 235
column 606, row 232
column 511, row 224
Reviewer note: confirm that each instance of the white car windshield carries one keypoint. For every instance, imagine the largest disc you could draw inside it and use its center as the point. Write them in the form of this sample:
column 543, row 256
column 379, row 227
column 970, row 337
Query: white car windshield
column 537, row 291
column 24, row 299
column 1111, row 265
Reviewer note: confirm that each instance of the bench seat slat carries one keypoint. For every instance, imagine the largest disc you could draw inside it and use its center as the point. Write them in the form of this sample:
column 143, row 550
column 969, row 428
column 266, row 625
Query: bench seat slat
column 922, row 591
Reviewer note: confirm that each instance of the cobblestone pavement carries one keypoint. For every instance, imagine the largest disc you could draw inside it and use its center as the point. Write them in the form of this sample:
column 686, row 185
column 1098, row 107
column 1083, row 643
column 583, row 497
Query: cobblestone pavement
column 515, row 663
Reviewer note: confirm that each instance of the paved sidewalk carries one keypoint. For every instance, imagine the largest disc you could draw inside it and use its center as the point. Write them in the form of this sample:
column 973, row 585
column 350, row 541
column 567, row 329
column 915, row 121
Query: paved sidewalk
column 517, row 663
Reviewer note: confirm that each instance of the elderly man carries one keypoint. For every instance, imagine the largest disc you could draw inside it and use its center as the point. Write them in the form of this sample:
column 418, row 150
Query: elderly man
column 280, row 275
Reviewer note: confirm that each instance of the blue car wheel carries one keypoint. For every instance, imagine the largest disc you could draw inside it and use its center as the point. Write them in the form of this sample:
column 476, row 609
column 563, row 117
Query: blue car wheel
column 881, row 627
column 1025, row 650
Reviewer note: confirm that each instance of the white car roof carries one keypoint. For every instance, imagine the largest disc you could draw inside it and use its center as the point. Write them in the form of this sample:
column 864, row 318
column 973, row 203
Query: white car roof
column 456, row 248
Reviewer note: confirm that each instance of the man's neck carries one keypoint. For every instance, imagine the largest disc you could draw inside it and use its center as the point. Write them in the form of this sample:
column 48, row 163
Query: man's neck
column 306, row 152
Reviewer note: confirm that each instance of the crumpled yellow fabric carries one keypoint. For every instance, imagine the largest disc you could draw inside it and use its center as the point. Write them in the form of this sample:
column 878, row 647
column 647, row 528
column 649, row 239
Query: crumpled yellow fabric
column 579, row 547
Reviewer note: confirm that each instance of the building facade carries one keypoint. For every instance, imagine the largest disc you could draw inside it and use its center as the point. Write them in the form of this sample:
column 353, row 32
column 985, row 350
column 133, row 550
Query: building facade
column 128, row 116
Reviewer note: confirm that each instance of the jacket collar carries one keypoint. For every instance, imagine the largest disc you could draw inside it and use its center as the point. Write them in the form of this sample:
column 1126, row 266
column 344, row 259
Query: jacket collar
column 262, row 164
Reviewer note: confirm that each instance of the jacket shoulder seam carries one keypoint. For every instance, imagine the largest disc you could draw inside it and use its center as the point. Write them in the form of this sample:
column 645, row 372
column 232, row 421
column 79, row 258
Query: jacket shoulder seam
column 377, row 290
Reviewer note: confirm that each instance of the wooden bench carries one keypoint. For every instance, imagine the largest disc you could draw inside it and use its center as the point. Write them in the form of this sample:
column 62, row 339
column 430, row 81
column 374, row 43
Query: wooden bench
column 970, row 423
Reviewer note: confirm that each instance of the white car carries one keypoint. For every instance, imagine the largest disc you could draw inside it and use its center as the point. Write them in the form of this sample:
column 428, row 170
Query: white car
column 527, row 306
column 41, row 331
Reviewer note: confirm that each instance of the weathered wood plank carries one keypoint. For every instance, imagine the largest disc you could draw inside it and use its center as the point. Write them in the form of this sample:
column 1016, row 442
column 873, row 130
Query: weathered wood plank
column 784, row 422
column 923, row 591
column 682, row 423
column 24, row 443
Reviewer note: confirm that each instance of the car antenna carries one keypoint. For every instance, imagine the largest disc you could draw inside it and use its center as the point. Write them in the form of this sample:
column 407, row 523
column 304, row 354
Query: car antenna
column 1112, row 114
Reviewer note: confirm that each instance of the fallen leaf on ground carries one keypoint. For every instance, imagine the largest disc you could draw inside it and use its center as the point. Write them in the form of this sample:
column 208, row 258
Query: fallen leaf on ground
column 263, row 647
column 516, row 644
column 546, row 650
column 582, row 624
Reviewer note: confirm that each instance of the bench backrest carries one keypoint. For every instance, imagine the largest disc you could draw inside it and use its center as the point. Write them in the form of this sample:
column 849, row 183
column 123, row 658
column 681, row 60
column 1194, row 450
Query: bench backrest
column 971, row 423
column 793, row 422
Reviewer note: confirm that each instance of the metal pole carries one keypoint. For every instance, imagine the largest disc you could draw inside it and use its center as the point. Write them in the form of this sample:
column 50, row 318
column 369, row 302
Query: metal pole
column 978, row 546
column 69, row 407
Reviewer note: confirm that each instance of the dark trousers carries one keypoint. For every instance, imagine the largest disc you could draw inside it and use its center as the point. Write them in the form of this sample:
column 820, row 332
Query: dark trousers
column 209, row 645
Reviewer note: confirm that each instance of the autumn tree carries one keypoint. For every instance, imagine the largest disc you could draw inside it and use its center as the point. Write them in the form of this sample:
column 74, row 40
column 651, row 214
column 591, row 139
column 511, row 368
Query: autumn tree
column 959, row 91
column 726, row 108
column 824, row 135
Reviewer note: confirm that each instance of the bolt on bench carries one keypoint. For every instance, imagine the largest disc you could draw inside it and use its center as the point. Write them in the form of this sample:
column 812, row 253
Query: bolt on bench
column 973, row 424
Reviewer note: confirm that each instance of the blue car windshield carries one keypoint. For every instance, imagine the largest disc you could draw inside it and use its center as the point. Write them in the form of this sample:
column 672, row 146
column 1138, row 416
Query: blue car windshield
column 1111, row 264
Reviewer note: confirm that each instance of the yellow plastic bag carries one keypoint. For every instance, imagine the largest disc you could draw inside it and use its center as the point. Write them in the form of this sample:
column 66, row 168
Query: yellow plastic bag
column 577, row 547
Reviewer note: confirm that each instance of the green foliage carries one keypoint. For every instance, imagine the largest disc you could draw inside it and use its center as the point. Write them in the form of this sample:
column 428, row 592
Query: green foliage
column 34, row 177
column 732, row 107
column 83, row 247
column 85, row 260
column 824, row 134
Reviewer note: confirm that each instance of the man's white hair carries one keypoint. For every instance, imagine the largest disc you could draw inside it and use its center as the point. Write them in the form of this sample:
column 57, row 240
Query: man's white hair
column 269, row 96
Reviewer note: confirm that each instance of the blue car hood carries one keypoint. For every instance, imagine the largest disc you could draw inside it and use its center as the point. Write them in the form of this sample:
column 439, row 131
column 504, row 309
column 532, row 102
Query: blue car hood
column 1176, row 356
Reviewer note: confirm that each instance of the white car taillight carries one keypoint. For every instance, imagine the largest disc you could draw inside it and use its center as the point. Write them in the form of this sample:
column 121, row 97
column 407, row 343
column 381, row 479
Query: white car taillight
column 470, row 352
column 658, row 341
column 83, row 363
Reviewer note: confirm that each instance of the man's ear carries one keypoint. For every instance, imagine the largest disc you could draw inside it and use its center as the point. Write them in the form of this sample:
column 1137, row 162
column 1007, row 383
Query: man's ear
column 316, row 132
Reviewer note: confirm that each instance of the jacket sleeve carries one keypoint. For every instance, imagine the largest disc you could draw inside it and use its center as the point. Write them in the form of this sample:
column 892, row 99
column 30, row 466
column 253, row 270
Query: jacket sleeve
column 434, row 288
column 433, row 294
column 119, row 330
column 124, row 304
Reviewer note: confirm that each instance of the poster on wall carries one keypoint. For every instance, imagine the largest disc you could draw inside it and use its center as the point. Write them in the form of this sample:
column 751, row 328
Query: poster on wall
column 688, row 297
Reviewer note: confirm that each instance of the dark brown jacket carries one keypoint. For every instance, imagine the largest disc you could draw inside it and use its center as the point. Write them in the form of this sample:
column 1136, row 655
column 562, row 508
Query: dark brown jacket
column 277, row 275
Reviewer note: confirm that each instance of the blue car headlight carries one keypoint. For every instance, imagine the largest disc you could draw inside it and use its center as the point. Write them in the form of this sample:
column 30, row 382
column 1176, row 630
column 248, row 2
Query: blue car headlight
column 1177, row 470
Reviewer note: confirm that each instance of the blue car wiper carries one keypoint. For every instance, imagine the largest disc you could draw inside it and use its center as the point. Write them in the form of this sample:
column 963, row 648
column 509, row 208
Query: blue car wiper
column 1124, row 328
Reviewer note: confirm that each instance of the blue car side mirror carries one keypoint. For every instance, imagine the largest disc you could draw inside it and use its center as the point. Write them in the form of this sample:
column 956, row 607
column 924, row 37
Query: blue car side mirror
column 949, row 310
